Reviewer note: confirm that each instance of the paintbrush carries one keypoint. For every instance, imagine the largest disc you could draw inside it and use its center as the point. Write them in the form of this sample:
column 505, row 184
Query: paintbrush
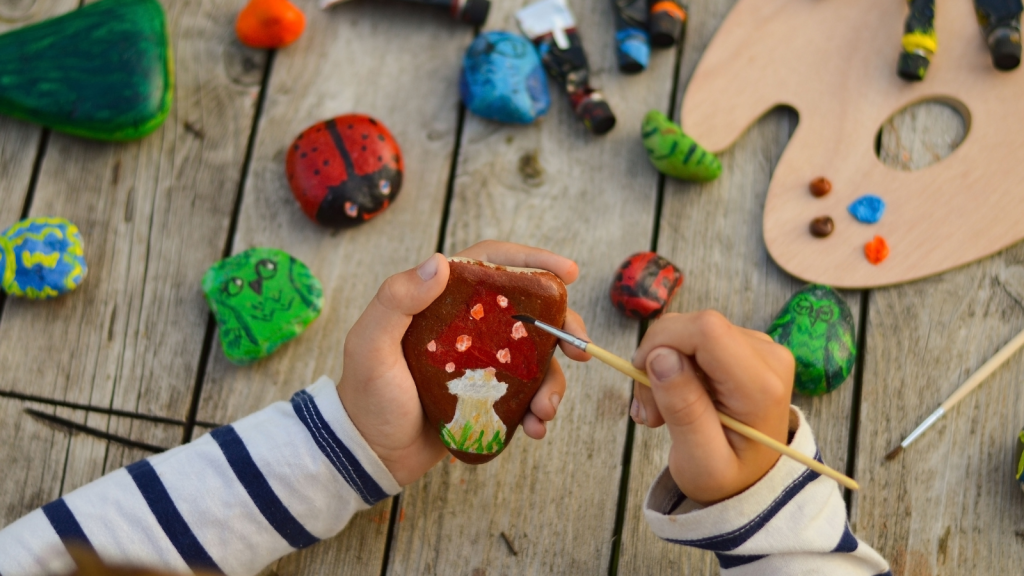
column 966, row 388
column 627, row 368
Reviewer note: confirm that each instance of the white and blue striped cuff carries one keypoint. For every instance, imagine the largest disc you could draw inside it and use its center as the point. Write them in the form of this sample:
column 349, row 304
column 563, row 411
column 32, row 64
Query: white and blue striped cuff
column 232, row 501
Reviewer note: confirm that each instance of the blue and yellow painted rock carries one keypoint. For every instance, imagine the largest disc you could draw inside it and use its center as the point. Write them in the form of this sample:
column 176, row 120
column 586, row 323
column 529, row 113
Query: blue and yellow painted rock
column 502, row 79
column 261, row 299
column 674, row 153
column 817, row 327
column 41, row 258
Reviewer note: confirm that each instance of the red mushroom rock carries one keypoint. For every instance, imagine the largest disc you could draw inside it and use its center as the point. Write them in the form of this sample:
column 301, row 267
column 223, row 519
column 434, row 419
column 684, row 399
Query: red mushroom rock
column 477, row 368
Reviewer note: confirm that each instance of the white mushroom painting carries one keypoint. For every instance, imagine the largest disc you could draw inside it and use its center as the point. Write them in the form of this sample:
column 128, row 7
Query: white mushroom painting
column 476, row 427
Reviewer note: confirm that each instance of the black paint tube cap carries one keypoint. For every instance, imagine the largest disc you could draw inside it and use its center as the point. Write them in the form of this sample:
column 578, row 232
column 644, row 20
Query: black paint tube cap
column 475, row 12
column 597, row 115
column 666, row 29
column 912, row 66
column 1004, row 45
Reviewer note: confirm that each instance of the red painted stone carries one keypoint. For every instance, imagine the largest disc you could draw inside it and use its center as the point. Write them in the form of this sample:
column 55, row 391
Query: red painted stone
column 345, row 171
column 644, row 285
column 474, row 365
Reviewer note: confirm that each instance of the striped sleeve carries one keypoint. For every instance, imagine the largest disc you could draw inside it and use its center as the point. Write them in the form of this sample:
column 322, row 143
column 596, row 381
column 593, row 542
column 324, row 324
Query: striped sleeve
column 793, row 521
column 230, row 502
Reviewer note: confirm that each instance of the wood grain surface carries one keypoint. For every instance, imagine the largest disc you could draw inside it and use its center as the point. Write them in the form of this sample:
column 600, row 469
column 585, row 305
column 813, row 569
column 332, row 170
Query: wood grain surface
column 835, row 63
column 592, row 199
column 349, row 60
column 949, row 504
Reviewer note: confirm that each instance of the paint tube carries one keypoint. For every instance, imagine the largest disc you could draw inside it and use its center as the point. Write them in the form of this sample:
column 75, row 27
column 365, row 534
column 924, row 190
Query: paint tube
column 919, row 40
column 1000, row 21
column 470, row 11
column 633, row 46
column 551, row 27
column 667, row 23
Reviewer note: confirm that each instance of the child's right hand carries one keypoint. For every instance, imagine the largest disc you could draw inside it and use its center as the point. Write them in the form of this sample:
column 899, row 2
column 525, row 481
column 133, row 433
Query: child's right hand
column 699, row 363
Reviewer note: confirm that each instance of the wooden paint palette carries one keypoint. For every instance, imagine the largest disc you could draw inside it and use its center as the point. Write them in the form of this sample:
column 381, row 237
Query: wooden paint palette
column 835, row 63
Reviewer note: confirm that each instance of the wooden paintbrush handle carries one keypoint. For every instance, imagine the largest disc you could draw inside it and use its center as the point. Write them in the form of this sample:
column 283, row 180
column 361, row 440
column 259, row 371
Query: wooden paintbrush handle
column 627, row 368
column 985, row 371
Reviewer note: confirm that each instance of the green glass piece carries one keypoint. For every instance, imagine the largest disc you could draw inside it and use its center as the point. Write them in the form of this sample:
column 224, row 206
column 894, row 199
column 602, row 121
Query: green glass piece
column 261, row 299
column 674, row 153
column 817, row 327
column 103, row 71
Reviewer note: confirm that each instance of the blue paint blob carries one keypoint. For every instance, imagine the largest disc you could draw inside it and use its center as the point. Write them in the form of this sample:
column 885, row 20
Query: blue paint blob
column 502, row 79
column 867, row 209
column 41, row 258
column 634, row 47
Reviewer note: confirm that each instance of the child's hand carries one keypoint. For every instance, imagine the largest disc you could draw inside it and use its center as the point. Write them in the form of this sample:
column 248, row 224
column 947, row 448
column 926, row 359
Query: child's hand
column 376, row 387
column 699, row 363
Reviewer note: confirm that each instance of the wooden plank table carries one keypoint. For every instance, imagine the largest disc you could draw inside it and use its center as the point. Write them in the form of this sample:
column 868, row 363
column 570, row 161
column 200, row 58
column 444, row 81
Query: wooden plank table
column 156, row 213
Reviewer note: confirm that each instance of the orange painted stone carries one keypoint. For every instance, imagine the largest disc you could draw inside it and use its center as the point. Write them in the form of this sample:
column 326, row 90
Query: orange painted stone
column 476, row 367
column 269, row 24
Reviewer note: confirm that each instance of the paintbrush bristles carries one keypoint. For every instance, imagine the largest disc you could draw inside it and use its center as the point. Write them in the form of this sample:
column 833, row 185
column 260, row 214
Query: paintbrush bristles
column 894, row 452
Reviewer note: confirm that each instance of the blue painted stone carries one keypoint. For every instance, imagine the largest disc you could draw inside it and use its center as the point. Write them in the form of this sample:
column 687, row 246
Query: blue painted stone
column 868, row 208
column 41, row 258
column 502, row 79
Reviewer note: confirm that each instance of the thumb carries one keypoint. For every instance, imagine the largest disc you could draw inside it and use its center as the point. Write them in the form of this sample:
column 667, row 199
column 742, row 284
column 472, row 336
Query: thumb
column 684, row 402
column 383, row 324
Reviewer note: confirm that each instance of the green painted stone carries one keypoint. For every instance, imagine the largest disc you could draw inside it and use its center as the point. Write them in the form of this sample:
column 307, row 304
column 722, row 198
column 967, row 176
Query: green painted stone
column 103, row 71
column 1018, row 459
column 261, row 298
column 674, row 153
column 817, row 327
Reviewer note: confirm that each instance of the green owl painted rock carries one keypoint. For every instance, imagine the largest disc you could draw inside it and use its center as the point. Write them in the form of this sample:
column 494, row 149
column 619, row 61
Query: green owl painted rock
column 103, row 71
column 674, row 153
column 1018, row 459
column 41, row 258
column 817, row 326
column 261, row 298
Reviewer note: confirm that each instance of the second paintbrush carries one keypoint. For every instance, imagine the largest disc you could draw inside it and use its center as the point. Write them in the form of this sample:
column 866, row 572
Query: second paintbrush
column 627, row 368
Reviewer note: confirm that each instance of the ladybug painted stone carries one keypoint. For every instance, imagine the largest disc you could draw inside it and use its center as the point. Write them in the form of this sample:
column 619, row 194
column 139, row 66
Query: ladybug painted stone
column 345, row 171
column 644, row 285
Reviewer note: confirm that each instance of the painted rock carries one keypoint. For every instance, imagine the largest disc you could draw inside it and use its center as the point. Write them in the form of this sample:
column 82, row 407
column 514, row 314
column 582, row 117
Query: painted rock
column 261, row 299
column 644, row 285
column 867, row 209
column 1018, row 459
column 103, row 71
column 502, row 79
column 42, row 258
column 269, row 23
column 674, row 153
column 476, row 368
column 345, row 171
column 817, row 327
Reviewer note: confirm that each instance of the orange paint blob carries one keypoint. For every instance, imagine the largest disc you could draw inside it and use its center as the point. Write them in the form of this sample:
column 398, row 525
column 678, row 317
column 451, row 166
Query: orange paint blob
column 504, row 356
column 462, row 343
column 477, row 312
column 269, row 24
column 518, row 331
column 877, row 250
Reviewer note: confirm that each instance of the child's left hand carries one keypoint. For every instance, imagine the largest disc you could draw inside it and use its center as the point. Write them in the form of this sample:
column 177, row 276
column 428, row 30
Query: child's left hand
column 378, row 391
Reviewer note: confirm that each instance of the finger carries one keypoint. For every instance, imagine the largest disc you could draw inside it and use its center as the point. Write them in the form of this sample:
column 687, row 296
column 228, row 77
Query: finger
column 735, row 371
column 533, row 427
column 645, row 408
column 545, row 402
column 378, row 332
column 574, row 325
column 508, row 254
column 689, row 413
column 757, row 334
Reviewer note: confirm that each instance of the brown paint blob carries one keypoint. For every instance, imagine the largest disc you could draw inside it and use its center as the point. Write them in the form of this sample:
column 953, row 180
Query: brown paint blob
column 820, row 186
column 822, row 226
